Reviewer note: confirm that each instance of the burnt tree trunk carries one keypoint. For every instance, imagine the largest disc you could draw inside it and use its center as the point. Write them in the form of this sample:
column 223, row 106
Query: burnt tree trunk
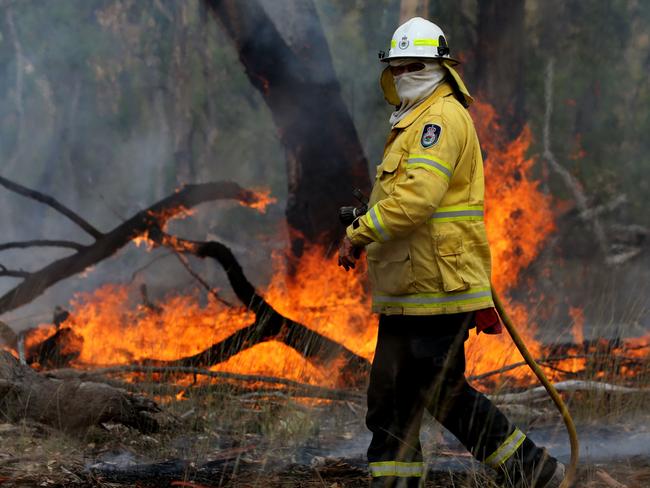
column 499, row 70
column 68, row 405
column 325, row 159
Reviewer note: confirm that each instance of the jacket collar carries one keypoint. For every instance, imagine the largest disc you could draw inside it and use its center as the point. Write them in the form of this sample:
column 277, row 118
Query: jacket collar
column 442, row 91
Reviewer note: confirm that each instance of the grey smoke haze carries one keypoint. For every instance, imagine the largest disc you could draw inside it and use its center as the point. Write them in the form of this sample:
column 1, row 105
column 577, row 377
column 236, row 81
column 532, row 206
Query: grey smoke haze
column 110, row 105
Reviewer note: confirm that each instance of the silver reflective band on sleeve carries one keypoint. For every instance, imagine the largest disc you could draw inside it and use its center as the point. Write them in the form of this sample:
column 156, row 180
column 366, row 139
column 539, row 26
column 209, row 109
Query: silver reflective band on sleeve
column 506, row 450
column 378, row 224
column 430, row 162
column 459, row 212
column 424, row 299
column 396, row 468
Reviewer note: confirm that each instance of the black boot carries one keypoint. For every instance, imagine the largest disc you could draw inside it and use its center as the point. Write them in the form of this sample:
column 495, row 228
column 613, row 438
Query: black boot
column 396, row 482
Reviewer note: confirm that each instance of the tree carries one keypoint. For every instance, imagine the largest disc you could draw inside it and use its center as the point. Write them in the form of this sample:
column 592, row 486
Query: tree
column 293, row 72
column 499, row 53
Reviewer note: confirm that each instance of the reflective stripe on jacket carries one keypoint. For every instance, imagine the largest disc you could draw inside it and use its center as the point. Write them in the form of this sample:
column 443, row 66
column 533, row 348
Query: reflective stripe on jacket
column 426, row 244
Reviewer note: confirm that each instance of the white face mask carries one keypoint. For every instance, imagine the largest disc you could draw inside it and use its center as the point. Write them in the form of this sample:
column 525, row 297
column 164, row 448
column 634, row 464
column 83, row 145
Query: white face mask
column 415, row 86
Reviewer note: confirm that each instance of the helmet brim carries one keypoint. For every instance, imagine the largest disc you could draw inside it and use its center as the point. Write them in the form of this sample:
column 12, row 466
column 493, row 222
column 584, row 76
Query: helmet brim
column 452, row 61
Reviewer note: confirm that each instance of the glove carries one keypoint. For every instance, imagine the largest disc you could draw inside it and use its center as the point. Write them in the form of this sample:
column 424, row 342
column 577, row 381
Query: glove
column 347, row 215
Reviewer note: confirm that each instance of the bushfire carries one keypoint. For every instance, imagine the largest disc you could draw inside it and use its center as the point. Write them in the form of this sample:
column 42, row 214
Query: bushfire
column 117, row 328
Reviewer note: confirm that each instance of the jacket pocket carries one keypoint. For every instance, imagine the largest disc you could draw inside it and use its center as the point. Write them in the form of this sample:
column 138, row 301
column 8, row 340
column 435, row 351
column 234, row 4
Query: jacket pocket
column 387, row 172
column 449, row 254
column 390, row 269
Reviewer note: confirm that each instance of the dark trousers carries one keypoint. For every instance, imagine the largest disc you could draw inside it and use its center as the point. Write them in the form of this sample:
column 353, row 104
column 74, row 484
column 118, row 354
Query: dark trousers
column 420, row 363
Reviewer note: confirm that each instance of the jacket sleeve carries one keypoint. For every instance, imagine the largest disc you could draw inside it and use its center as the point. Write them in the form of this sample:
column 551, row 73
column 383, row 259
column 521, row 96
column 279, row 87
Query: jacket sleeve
column 429, row 166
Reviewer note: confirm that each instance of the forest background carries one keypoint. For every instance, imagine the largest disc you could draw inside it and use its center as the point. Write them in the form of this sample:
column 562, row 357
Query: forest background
column 110, row 105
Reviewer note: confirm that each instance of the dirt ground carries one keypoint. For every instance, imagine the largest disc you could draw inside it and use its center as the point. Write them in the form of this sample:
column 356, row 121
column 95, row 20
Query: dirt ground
column 224, row 438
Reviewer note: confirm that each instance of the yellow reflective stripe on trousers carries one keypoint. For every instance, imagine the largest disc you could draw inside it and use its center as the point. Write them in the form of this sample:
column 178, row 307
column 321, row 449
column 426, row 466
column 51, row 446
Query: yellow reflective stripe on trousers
column 506, row 450
column 396, row 468
column 434, row 299
column 426, row 161
column 458, row 212
column 426, row 42
column 377, row 224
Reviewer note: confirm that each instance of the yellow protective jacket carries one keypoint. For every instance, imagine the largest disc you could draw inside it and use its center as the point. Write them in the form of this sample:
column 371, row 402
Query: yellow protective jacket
column 426, row 244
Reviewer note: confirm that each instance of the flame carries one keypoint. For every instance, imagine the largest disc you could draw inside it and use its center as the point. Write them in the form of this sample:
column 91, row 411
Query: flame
column 258, row 199
column 116, row 329
column 578, row 317
column 519, row 218
column 262, row 199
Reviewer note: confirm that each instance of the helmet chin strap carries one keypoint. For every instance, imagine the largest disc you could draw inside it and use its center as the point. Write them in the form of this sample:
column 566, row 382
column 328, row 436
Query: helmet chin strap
column 414, row 87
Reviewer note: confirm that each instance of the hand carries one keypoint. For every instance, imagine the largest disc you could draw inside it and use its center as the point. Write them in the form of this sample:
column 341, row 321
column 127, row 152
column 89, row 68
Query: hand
column 348, row 254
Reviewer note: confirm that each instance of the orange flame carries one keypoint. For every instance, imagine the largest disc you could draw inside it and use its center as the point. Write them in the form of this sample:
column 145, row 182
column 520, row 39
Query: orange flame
column 262, row 200
column 117, row 330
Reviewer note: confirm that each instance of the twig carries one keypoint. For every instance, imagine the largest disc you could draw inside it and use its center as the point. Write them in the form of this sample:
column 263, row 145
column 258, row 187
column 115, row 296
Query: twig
column 51, row 202
column 542, row 362
column 302, row 387
column 608, row 480
column 12, row 273
column 41, row 243
column 574, row 185
column 148, row 264
column 186, row 264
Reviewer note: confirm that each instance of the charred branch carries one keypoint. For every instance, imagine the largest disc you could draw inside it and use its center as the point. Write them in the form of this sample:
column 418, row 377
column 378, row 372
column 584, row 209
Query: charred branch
column 35, row 283
column 41, row 243
column 269, row 323
column 293, row 388
column 12, row 273
column 199, row 279
column 53, row 203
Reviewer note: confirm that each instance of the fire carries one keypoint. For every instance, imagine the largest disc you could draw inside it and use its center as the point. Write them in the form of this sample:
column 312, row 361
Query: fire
column 117, row 329
column 578, row 317
column 262, row 200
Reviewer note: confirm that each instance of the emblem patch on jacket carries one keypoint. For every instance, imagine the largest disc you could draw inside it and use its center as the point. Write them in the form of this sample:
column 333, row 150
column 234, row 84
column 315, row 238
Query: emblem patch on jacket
column 430, row 135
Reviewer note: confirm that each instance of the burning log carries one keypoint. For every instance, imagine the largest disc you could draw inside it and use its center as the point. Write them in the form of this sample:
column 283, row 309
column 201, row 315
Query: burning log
column 57, row 350
column 269, row 323
column 71, row 406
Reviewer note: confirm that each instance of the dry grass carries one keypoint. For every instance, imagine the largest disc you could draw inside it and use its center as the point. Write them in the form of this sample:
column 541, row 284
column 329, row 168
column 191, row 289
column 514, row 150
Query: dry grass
column 270, row 440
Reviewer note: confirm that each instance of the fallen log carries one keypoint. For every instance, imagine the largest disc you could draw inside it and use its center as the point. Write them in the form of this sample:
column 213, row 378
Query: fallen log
column 292, row 388
column 71, row 406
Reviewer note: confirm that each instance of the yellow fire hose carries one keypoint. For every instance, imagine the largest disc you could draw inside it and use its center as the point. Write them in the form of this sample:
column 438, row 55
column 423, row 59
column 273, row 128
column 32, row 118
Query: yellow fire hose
column 570, row 475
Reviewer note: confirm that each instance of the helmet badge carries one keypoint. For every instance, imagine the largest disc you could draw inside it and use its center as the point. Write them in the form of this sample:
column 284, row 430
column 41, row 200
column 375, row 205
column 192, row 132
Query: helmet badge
column 404, row 43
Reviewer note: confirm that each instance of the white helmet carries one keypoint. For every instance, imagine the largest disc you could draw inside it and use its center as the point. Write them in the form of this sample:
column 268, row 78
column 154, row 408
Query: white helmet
column 418, row 38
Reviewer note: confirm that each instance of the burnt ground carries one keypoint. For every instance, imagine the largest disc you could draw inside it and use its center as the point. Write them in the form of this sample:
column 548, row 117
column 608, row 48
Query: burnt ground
column 230, row 439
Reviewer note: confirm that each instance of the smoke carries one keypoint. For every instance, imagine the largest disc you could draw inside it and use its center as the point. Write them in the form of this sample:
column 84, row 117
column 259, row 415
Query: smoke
column 96, row 110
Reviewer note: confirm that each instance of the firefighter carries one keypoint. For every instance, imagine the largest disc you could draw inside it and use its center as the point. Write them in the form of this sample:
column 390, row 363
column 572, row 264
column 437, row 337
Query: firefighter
column 429, row 269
